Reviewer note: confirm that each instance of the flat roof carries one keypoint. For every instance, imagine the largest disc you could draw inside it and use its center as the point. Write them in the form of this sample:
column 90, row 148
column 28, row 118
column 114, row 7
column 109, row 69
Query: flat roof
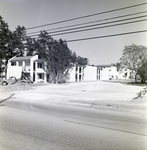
column 103, row 65
column 40, row 60
column 21, row 58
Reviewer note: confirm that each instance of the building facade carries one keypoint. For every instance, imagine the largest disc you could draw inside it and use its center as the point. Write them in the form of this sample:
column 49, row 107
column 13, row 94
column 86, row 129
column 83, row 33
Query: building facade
column 83, row 73
column 126, row 74
column 93, row 73
column 31, row 66
column 35, row 69
column 107, row 72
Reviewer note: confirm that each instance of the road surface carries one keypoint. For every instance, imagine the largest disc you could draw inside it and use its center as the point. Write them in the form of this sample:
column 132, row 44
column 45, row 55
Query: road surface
column 30, row 125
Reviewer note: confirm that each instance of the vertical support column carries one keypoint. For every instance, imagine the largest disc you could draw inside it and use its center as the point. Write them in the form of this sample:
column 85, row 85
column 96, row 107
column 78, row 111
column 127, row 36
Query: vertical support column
column 23, row 65
column 45, row 77
column 78, row 74
column 45, row 74
column 31, row 70
column 36, row 72
column 82, row 73
column 17, row 63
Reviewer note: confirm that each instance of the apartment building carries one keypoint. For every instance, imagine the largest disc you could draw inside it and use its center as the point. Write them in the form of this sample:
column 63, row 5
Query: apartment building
column 31, row 66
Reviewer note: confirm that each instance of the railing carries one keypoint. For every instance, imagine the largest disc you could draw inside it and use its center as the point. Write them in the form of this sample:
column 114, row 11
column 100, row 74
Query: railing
column 26, row 68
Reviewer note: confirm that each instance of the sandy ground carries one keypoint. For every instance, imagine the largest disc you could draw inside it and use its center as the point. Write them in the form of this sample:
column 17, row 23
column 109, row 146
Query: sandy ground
column 82, row 93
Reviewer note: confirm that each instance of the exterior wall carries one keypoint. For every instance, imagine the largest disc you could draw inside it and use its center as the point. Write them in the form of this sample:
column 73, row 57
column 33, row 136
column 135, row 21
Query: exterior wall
column 27, row 66
column 90, row 73
column 126, row 74
column 31, row 66
column 80, row 73
column 107, row 73
column 114, row 73
column 14, row 70
column 39, row 72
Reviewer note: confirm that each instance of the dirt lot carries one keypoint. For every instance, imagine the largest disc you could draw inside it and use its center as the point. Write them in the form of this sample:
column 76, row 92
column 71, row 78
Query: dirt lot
column 92, row 94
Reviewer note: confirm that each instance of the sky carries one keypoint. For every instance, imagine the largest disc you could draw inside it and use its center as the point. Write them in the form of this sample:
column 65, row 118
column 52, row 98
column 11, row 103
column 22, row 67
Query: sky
column 99, row 51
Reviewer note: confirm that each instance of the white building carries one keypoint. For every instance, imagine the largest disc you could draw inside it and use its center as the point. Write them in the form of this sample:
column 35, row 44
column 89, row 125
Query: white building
column 35, row 69
column 126, row 74
column 93, row 73
column 81, row 73
column 107, row 72
column 31, row 66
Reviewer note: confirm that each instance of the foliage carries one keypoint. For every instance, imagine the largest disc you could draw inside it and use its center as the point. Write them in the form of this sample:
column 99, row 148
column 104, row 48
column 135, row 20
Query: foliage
column 118, row 66
column 135, row 58
column 11, row 43
column 60, row 59
column 82, row 61
column 4, row 41
column 18, row 38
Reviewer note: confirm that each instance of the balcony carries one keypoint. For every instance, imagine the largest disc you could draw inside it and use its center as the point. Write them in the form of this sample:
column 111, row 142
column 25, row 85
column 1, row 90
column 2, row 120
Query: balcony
column 26, row 69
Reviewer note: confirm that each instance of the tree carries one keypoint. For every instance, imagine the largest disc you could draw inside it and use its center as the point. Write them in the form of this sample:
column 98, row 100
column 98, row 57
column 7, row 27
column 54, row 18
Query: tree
column 57, row 55
column 4, row 42
column 135, row 58
column 18, row 41
column 11, row 43
column 82, row 61
column 31, row 46
column 118, row 66
column 60, row 59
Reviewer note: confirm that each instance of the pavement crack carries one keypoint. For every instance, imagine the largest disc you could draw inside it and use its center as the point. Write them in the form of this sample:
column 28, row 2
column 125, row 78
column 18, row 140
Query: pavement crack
column 7, row 98
column 91, row 125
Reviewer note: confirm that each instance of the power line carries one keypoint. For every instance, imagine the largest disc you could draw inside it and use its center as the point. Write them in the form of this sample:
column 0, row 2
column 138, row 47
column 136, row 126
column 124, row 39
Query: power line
column 86, row 16
column 99, row 27
column 95, row 27
column 91, row 22
column 106, row 36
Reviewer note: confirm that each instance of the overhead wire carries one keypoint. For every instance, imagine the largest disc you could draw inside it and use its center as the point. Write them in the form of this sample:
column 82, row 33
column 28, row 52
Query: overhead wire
column 106, row 36
column 86, row 16
column 103, row 36
column 99, row 27
column 63, row 31
column 91, row 22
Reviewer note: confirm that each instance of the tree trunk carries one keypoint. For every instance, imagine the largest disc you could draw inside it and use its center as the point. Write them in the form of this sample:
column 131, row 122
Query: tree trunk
column 135, row 78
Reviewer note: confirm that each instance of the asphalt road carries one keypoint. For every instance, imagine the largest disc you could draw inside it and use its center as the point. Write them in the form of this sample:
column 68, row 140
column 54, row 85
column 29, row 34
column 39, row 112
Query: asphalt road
column 37, row 126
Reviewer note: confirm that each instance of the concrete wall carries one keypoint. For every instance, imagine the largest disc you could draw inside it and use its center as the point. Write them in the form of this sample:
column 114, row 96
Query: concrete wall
column 14, row 71
column 107, row 73
column 90, row 73
column 26, row 66
column 126, row 74
column 80, row 73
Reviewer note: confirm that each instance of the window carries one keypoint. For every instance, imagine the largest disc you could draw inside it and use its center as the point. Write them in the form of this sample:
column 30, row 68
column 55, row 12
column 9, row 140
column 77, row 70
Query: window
column 13, row 63
column 19, row 63
column 76, row 76
column 80, row 70
column 80, row 77
column 40, row 65
column 99, row 71
column 40, row 76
